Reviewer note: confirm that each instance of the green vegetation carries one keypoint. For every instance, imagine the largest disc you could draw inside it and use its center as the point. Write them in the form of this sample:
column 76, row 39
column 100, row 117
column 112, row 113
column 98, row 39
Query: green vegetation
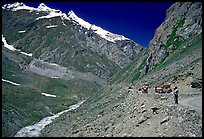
column 176, row 41
column 126, row 73
column 158, row 65
column 24, row 105
column 167, row 77
column 120, row 76
column 138, row 71
column 191, row 45
column 173, row 38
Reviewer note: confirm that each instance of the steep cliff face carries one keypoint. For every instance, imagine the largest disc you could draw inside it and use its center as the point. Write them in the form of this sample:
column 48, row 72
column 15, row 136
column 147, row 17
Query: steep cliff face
column 183, row 22
column 177, row 40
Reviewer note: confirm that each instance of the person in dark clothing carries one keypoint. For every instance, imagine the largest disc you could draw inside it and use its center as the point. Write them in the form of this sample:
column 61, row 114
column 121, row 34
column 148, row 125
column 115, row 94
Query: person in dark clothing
column 176, row 91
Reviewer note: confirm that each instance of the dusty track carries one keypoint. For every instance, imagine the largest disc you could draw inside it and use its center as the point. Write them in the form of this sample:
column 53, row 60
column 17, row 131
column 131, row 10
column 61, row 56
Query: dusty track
column 195, row 103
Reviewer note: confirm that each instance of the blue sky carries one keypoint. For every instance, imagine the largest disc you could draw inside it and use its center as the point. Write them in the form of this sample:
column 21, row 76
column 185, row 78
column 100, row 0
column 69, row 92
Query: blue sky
column 135, row 20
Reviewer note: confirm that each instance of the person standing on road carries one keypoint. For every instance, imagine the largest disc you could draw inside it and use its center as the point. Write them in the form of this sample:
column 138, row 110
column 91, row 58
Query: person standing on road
column 176, row 91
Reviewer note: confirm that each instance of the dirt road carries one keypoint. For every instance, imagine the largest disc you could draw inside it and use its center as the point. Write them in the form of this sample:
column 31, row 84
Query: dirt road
column 194, row 102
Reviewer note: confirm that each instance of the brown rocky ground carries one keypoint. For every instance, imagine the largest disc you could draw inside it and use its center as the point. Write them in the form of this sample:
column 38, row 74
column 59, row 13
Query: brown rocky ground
column 132, row 113
column 122, row 110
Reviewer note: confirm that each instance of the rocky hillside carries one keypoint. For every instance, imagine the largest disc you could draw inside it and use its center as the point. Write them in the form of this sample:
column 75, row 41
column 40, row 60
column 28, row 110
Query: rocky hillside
column 53, row 60
column 178, row 36
column 38, row 44
column 66, row 39
column 183, row 22
column 123, row 110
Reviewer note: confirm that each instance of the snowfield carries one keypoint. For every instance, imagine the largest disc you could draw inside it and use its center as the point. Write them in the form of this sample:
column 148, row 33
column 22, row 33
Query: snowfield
column 30, row 54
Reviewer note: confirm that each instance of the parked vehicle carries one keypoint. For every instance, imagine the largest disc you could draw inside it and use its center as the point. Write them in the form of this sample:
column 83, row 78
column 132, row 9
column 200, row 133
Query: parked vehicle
column 145, row 88
column 164, row 88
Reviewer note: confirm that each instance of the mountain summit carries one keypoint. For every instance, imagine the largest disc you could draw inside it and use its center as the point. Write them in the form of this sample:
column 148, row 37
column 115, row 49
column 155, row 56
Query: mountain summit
column 70, row 16
column 116, row 48
column 21, row 6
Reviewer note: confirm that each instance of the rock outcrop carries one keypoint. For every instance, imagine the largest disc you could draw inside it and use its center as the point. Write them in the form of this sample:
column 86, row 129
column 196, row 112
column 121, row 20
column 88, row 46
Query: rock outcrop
column 183, row 22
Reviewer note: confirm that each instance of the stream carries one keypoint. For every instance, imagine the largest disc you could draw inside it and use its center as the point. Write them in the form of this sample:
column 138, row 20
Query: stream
column 35, row 130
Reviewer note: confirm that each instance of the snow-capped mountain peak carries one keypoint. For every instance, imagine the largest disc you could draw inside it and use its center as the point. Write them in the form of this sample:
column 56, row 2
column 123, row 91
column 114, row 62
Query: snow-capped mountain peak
column 43, row 7
column 73, row 16
column 70, row 16
column 17, row 6
column 71, row 13
column 101, row 32
column 20, row 6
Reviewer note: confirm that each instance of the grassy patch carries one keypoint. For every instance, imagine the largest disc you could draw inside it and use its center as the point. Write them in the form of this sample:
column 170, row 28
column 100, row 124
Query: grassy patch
column 138, row 71
column 24, row 105
column 120, row 75
column 126, row 73
column 192, row 45
column 173, row 38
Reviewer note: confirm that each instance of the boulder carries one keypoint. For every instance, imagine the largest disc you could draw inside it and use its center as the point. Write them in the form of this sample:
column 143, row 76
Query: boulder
column 196, row 84
column 165, row 120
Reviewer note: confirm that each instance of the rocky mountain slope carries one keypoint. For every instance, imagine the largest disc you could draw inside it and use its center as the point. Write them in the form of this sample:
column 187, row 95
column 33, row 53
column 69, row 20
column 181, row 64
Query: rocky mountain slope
column 118, row 108
column 173, row 42
column 53, row 60
column 183, row 22
column 123, row 110
column 67, row 40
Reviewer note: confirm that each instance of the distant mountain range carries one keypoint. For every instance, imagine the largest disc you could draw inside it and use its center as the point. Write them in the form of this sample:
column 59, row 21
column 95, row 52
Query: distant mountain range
column 124, row 48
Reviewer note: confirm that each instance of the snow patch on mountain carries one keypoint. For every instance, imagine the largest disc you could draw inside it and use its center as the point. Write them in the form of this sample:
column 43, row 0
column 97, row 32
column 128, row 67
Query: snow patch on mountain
column 50, row 15
column 10, row 47
column 52, row 26
column 55, row 77
column 64, row 23
column 30, row 54
column 21, row 31
column 80, row 21
column 43, row 7
column 10, row 82
column 21, row 6
column 54, row 64
column 17, row 6
column 48, row 95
